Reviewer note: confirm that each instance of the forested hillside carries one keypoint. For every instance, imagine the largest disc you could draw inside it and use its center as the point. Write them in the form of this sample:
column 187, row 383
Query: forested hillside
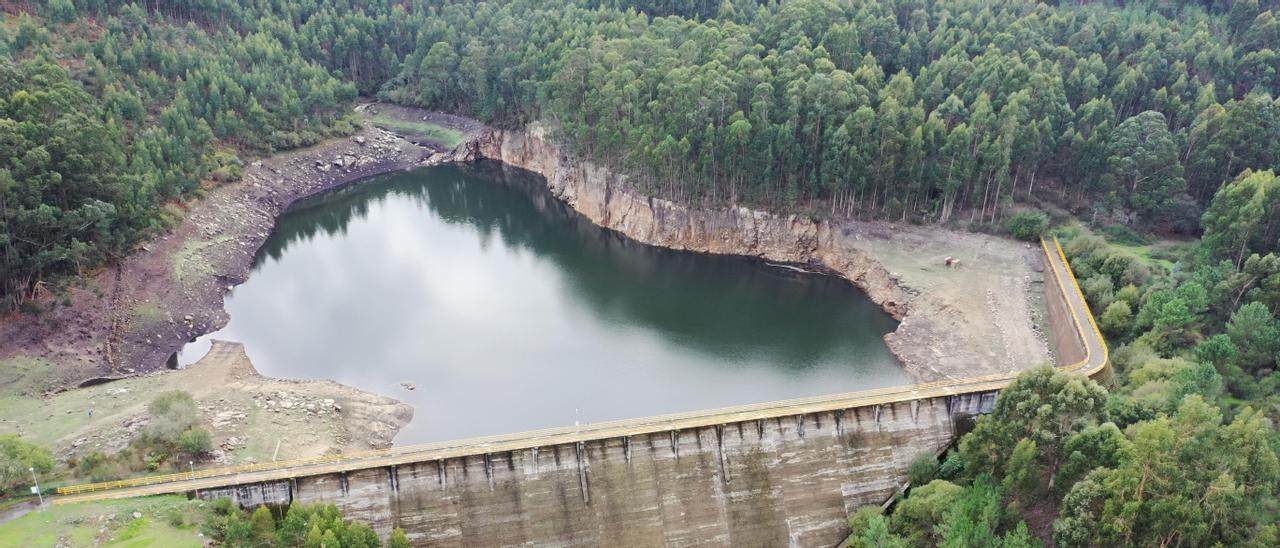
column 109, row 117
column 911, row 109
column 1138, row 119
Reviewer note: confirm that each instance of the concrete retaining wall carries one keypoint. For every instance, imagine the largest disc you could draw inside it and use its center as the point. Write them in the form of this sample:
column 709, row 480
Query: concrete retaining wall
column 252, row 495
column 779, row 481
column 1063, row 336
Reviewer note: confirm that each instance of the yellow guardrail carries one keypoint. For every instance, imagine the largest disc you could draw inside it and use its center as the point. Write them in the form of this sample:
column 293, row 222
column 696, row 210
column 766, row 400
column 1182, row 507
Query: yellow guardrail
column 675, row 421
column 1075, row 315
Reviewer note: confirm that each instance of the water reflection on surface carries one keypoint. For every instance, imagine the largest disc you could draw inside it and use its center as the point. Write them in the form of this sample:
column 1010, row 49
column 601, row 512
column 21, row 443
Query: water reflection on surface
column 508, row 311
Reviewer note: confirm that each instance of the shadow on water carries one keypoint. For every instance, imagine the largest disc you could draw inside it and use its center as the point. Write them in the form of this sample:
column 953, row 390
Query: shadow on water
column 478, row 286
column 719, row 305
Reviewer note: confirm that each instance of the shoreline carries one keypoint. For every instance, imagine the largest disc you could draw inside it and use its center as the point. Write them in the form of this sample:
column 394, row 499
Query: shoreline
column 134, row 315
column 942, row 332
column 123, row 323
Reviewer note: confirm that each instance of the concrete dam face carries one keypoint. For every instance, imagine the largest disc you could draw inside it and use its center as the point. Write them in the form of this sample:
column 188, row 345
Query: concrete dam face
column 783, row 472
column 787, row 480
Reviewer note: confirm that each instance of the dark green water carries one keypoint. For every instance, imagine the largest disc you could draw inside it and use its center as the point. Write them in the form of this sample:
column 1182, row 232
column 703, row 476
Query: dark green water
column 509, row 312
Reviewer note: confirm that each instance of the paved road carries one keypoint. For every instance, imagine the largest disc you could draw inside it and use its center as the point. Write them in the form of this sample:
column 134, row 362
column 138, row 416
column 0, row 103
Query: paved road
column 1096, row 358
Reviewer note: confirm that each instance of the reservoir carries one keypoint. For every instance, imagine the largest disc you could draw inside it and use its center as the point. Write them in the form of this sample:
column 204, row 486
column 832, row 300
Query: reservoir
column 506, row 311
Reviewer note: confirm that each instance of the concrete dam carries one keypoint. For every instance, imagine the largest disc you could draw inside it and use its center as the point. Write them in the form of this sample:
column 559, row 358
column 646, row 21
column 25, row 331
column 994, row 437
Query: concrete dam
column 777, row 473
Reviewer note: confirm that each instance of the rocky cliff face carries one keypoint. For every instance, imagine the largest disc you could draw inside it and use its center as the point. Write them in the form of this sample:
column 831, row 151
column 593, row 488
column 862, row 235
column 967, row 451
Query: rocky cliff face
column 607, row 199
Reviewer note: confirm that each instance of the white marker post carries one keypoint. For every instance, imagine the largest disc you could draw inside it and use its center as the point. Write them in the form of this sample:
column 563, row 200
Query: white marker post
column 35, row 489
column 192, row 464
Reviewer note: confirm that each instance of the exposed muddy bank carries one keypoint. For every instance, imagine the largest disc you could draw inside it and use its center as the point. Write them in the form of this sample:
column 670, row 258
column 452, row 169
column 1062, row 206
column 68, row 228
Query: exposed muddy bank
column 129, row 318
column 132, row 316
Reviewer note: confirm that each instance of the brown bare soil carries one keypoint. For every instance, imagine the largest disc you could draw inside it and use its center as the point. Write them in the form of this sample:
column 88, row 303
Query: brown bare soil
column 246, row 413
column 130, row 317
column 986, row 315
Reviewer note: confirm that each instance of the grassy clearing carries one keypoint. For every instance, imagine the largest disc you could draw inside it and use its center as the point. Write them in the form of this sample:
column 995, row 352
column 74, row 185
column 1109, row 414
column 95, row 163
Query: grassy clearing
column 148, row 313
column 166, row 521
column 1156, row 254
column 447, row 137
column 188, row 262
column 24, row 376
column 48, row 421
column 57, row 420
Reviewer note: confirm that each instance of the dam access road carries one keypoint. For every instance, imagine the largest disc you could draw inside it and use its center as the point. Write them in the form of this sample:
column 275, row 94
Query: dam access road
column 787, row 471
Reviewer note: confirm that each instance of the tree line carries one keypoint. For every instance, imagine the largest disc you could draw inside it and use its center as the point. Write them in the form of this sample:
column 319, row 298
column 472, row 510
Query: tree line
column 108, row 121
column 1134, row 117
column 914, row 110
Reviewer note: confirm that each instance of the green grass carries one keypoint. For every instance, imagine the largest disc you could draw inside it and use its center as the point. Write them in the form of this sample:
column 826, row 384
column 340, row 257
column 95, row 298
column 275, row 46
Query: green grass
column 23, row 376
column 1149, row 254
column 108, row 523
column 147, row 313
column 1155, row 254
column 46, row 421
column 189, row 261
column 447, row 137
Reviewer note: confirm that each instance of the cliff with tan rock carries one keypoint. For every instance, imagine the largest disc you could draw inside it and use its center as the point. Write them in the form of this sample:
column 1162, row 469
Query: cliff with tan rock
column 936, row 334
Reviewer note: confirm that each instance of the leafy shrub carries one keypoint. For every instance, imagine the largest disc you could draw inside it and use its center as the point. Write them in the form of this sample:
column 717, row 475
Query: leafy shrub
column 1117, row 320
column 398, row 539
column 17, row 457
column 923, row 469
column 952, row 467
column 1099, row 290
column 195, row 442
column 175, row 518
column 1027, row 225
column 172, row 413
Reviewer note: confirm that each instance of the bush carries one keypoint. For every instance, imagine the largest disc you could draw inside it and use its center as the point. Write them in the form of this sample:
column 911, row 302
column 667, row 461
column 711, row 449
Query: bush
column 175, row 518
column 1099, row 291
column 953, row 467
column 96, row 466
column 172, row 413
column 195, row 442
column 923, row 469
column 17, row 457
column 398, row 539
column 1116, row 320
column 917, row 516
column 859, row 519
column 1027, row 225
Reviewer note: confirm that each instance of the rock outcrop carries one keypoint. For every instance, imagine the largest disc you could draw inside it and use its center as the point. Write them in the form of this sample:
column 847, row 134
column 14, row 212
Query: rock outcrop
column 606, row 199
column 954, row 323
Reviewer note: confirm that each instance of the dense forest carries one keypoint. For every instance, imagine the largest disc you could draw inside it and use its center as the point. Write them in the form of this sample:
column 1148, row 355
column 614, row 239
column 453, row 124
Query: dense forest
column 1126, row 122
column 911, row 110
